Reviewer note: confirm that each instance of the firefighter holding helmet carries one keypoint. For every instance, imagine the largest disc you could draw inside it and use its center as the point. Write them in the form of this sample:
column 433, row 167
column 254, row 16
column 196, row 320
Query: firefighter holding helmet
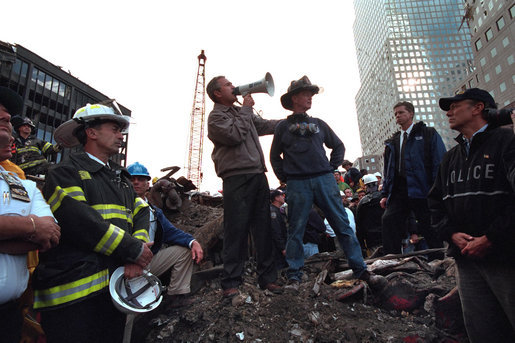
column 104, row 226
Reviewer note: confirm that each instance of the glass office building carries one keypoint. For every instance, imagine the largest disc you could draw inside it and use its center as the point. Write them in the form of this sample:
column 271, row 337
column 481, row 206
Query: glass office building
column 407, row 50
column 50, row 95
column 492, row 24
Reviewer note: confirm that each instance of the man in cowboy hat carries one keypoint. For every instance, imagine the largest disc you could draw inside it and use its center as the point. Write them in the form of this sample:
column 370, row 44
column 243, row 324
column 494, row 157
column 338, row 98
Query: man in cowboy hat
column 240, row 162
column 299, row 159
column 104, row 225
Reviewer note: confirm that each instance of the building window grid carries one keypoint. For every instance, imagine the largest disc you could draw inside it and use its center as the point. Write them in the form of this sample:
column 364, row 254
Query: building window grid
column 489, row 34
column 500, row 23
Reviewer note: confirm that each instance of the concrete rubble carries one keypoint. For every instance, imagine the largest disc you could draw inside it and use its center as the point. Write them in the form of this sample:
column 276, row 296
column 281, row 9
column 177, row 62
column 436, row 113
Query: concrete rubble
column 419, row 304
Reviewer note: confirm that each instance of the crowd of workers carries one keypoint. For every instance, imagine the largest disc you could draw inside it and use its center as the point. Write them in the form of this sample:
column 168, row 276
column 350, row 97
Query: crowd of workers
column 93, row 217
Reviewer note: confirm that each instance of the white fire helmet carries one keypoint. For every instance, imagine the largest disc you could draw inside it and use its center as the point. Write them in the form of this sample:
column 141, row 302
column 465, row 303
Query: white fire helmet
column 369, row 178
column 137, row 295
column 65, row 133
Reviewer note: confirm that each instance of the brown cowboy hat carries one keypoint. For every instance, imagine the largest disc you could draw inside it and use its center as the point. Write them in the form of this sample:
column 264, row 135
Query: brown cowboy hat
column 295, row 87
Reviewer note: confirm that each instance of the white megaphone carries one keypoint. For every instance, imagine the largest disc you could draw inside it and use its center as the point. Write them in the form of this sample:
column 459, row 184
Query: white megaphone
column 265, row 85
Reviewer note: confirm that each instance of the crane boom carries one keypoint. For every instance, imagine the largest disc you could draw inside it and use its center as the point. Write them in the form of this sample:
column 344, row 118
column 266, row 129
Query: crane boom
column 196, row 136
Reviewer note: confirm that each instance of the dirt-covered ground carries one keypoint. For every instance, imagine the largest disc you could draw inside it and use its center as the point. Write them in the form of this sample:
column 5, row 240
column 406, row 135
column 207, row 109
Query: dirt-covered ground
column 407, row 310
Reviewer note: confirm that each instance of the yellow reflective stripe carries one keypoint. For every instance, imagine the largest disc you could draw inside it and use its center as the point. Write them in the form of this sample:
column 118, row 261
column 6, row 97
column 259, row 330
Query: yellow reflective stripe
column 46, row 146
column 31, row 163
column 141, row 235
column 71, row 291
column 110, row 240
column 57, row 197
column 139, row 204
column 29, row 148
column 110, row 211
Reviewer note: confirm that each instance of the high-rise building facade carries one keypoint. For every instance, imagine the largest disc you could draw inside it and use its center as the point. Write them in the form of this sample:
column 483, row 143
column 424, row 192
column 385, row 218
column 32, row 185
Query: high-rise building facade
column 492, row 25
column 407, row 50
column 371, row 163
column 50, row 95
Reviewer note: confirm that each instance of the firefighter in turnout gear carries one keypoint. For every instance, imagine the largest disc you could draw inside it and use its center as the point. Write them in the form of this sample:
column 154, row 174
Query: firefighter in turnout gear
column 31, row 153
column 104, row 226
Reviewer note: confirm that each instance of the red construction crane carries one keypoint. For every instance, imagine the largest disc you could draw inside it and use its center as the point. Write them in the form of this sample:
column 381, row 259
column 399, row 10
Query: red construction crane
column 196, row 138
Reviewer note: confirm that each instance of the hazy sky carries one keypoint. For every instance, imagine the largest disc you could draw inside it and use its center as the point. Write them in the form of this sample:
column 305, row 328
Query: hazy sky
column 144, row 54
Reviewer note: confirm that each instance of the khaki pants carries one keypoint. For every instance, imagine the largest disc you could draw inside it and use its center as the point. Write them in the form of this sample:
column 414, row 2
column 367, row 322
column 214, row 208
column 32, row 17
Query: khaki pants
column 179, row 260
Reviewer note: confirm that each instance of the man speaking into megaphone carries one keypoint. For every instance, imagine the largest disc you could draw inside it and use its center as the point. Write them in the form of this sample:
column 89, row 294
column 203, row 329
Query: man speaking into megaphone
column 240, row 162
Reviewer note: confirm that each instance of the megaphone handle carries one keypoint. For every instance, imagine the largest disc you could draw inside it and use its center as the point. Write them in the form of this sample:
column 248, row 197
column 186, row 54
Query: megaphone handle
column 253, row 109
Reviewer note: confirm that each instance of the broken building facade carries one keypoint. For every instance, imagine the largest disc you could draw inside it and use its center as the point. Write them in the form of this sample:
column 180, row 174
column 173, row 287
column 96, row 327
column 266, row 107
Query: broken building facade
column 50, row 94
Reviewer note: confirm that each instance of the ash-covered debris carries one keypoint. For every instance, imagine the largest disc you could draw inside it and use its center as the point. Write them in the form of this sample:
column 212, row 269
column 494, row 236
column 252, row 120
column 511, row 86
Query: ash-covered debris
column 419, row 303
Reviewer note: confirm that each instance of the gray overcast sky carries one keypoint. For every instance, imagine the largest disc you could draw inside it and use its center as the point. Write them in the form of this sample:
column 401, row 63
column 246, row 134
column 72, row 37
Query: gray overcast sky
column 144, row 54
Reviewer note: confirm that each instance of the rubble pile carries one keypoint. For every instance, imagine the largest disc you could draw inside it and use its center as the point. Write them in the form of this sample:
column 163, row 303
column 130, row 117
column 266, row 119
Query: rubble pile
column 419, row 304
column 404, row 312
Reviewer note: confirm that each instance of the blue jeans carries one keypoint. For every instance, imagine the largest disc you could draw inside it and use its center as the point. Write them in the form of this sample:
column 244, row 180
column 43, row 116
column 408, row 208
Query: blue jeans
column 310, row 249
column 323, row 191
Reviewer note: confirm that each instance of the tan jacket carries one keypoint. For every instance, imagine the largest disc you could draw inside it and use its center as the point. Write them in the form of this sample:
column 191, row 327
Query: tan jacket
column 235, row 133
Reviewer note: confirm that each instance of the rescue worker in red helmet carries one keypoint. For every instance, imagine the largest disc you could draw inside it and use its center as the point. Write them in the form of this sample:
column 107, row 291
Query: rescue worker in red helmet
column 31, row 153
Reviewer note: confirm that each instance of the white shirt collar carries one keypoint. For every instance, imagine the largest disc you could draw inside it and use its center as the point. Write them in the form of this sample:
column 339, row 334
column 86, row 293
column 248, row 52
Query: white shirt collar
column 94, row 158
column 408, row 131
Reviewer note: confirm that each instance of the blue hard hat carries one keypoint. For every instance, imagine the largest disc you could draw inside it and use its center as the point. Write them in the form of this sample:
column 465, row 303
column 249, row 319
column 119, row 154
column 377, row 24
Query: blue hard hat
column 138, row 169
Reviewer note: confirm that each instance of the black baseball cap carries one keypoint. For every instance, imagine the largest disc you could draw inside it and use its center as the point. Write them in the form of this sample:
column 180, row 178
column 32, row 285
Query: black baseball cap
column 275, row 193
column 469, row 94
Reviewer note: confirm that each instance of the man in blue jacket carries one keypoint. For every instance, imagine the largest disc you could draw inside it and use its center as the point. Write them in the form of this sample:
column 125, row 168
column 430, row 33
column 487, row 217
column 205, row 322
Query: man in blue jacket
column 173, row 249
column 299, row 159
column 411, row 160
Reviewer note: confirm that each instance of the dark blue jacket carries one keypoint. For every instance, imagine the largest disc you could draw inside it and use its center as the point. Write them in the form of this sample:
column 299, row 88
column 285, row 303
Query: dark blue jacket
column 167, row 233
column 304, row 156
column 475, row 194
column 419, row 179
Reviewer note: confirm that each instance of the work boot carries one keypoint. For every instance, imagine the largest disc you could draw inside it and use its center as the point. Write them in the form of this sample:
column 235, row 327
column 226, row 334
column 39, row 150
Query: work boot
column 292, row 285
column 375, row 282
column 274, row 288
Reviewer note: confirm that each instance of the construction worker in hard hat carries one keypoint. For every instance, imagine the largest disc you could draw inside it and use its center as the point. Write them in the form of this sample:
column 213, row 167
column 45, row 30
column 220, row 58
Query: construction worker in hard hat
column 104, row 225
column 368, row 217
column 173, row 249
column 31, row 153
